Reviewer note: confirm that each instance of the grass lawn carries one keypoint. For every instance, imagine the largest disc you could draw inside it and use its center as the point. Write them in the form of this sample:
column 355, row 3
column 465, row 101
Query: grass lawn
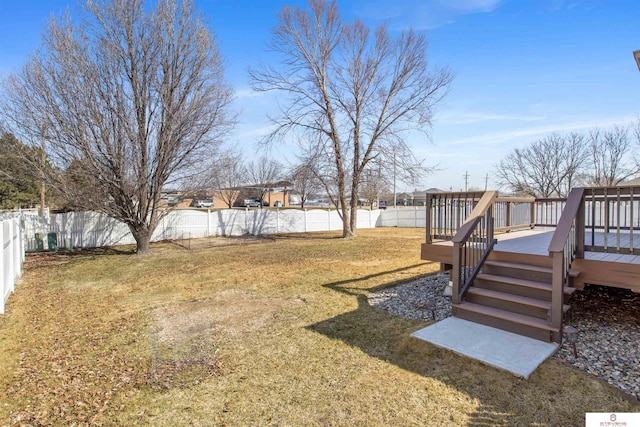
column 277, row 332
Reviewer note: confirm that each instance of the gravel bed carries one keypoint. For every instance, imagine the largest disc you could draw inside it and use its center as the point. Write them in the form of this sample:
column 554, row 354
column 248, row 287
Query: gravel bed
column 607, row 320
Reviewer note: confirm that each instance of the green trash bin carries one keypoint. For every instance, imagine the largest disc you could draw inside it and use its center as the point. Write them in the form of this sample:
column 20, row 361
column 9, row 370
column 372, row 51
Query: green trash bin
column 39, row 242
column 52, row 242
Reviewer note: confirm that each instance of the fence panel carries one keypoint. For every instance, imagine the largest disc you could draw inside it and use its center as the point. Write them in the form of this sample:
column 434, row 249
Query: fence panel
column 404, row 218
column 12, row 258
column 92, row 229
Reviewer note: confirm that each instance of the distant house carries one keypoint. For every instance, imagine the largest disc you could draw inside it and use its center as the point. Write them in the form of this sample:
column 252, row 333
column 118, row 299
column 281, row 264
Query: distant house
column 415, row 198
column 275, row 196
column 634, row 182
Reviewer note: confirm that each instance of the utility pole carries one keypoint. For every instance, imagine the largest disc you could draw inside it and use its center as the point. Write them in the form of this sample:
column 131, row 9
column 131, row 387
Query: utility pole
column 486, row 181
column 466, row 179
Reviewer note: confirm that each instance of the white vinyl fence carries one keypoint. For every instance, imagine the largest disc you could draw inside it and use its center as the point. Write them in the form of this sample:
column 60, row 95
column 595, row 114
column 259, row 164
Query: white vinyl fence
column 91, row 229
column 12, row 257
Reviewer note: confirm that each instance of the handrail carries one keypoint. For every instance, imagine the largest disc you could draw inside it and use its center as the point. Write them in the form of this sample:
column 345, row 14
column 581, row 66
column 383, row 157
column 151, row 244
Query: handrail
column 471, row 245
column 569, row 213
column 566, row 244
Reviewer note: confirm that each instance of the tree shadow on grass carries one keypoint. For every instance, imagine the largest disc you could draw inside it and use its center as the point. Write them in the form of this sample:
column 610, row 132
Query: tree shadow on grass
column 387, row 337
column 38, row 260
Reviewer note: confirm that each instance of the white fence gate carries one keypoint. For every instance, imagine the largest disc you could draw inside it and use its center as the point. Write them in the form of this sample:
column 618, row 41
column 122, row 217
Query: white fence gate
column 11, row 236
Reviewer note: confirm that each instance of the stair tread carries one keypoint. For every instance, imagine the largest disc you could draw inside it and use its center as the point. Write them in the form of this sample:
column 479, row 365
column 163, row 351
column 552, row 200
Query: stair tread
column 528, row 267
column 535, row 302
column 520, row 266
column 506, row 315
column 515, row 281
column 519, row 299
column 523, row 282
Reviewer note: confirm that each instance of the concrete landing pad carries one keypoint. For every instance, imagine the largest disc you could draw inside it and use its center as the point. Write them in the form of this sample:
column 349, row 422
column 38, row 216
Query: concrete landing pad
column 501, row 349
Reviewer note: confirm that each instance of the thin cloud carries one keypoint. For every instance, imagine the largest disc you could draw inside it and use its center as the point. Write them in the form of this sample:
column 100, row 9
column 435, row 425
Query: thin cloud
column 246, row 92
column 519, row 134
column 257, row 132
column 423, row 15
column 464, row 117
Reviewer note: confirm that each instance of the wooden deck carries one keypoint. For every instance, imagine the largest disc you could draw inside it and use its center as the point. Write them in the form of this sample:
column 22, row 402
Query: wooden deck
column 600, row 268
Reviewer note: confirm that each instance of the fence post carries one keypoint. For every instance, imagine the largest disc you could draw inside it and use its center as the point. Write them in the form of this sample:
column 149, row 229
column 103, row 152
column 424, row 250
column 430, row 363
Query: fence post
column 305, row 219
column 15, row 255
column 329, row 212
column 21, row 247
column 277, row 220
column 208, row 222
column 3, row 285
column 8, row 253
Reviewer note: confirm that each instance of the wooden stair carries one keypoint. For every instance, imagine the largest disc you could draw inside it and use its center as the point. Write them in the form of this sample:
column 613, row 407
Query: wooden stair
column 515, row 297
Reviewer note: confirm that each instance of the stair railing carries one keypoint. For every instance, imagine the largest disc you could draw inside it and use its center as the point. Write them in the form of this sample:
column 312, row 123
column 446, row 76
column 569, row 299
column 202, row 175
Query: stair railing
column 566, row 244
column 472, row 244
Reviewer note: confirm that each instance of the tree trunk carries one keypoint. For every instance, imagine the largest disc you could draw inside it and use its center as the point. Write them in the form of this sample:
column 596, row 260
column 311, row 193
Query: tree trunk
column 353, row 213
column 143, row 236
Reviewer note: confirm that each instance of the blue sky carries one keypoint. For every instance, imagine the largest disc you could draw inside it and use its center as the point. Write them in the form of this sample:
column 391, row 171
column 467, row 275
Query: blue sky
column 524, row 68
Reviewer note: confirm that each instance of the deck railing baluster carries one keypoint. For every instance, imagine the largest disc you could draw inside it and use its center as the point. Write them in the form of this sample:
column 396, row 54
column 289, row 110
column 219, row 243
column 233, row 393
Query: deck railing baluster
column 631, row 220
column 618, row 206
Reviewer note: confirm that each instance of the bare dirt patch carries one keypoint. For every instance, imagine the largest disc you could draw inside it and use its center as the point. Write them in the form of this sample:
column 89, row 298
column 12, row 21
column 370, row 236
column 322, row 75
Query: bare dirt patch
column 212, row 241
column 185, row 337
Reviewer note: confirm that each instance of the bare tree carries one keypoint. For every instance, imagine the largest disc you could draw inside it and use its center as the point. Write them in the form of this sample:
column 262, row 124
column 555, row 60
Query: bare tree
column 374, row 183
column 305, row 182
column 352, row 93
column 226, row 176
column 548, row 167
column 134, row 94
column 263, row 175
column 611, row 160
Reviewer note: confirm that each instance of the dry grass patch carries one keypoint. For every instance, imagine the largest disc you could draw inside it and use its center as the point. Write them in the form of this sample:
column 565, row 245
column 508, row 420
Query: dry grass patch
column 231, row 311
column 282, row 333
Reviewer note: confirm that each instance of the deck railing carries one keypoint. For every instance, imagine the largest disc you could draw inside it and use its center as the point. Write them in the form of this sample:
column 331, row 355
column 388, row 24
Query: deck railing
column 612, row 216
column 472, row 244
column 547, row 211
column 514, row 212
column 614, row 212
column 566, row 244
column 446, row 212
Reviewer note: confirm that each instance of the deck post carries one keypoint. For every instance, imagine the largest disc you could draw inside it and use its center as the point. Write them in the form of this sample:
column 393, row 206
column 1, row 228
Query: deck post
column 534, row 220
column 455, row 273
column 428, row 216
column 557, row 293
column 580, row 229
